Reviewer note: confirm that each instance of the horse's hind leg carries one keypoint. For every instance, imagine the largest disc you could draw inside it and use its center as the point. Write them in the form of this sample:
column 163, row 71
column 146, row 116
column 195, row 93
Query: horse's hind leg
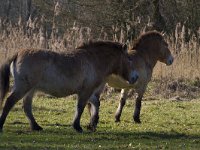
column 93, row 106
column 124, row 93
column 27, row 105
column 14, row 97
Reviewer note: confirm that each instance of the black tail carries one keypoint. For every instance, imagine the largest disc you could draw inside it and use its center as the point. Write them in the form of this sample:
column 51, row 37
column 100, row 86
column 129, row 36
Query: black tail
column 5, row 78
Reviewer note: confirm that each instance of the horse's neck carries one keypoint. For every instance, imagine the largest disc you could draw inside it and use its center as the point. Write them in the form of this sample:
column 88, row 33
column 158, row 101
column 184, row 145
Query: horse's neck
column 115, row 67
column 108, row 66
column 149, row 59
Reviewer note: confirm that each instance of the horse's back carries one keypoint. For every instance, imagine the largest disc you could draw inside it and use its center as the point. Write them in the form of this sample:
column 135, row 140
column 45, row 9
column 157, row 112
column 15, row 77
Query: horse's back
column 56, row 74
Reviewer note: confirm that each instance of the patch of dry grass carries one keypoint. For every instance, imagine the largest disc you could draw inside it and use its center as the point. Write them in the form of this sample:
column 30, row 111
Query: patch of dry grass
column 187, row 53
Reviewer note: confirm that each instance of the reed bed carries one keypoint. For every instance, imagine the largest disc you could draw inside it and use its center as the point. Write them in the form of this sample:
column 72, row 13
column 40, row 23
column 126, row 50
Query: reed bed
column 184, row 45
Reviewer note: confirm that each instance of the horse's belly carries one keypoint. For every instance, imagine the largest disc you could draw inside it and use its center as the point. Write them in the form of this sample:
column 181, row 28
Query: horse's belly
column 56, row 88
column 58, row 85
column 117, row 82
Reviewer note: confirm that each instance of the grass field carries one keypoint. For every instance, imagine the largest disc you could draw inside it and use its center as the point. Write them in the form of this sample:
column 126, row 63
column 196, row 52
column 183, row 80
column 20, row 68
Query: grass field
column 165, row 125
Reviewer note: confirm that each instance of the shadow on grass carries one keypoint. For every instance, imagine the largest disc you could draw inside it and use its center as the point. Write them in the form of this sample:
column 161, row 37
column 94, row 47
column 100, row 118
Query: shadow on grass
column 59, row 138
column 59, row 125
column 40, row 108
column 68, row 131
column 47, row 125
column 153, row 135
column 102, row 132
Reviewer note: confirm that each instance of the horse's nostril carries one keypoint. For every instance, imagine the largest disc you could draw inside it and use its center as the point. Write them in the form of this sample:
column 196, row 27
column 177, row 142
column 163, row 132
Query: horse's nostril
column 134, row 76
column 134, row 79
column 170, row 60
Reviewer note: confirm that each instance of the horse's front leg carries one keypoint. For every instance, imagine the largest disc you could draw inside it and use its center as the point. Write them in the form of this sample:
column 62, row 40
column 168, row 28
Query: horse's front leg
column 123, row 97
column 94, row 104
column 82, row 101
column 136, row 115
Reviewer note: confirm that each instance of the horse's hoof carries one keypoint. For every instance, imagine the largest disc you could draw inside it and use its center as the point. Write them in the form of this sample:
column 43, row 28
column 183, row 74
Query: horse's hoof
column 91, row 128
column 78, row 129
column 117, row 120
column 137, row 121
column 36, row 128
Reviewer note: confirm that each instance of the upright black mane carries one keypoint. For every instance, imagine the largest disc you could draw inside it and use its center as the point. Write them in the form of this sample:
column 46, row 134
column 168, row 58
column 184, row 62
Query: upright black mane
column 96, row 44
column 146, row 36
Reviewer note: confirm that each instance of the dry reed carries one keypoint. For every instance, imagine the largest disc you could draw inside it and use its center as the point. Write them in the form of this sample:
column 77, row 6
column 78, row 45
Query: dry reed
column 186, row 52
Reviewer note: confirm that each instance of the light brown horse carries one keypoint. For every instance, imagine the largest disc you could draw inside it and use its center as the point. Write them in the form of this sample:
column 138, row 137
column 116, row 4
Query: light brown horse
column 80, row 72
column 148, row 49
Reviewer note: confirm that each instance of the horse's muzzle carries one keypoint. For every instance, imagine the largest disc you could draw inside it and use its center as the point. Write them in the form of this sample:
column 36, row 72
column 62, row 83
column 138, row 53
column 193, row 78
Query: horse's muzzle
column 170, row 60
column 134, row 77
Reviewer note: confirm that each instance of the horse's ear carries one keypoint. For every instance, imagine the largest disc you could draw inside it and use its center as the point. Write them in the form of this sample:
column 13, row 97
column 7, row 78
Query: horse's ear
column 125, row 48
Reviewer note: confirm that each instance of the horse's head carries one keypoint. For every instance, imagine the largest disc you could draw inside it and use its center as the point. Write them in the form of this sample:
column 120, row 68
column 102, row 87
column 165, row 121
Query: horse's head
column 152, row 43
column 127, row 71
column 165, row 55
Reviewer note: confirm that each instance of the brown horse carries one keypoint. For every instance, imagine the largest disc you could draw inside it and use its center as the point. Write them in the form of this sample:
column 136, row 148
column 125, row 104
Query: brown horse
column 148, row 49
column 80, row 72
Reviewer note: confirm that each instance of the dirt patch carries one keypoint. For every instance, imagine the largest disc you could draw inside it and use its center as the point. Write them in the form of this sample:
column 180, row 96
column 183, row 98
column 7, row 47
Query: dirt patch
column 165, row 88
column 176, row 88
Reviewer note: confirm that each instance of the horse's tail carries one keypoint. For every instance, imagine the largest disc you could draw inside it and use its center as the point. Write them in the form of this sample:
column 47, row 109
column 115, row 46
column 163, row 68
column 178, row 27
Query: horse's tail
column 5, row 77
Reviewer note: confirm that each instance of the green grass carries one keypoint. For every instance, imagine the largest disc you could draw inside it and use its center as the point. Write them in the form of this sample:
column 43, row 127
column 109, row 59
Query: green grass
column 165, row 125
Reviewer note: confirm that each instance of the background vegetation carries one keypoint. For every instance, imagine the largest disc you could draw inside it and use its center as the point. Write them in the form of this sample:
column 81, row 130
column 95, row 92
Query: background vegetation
column 64, row 24
column 134, row 14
